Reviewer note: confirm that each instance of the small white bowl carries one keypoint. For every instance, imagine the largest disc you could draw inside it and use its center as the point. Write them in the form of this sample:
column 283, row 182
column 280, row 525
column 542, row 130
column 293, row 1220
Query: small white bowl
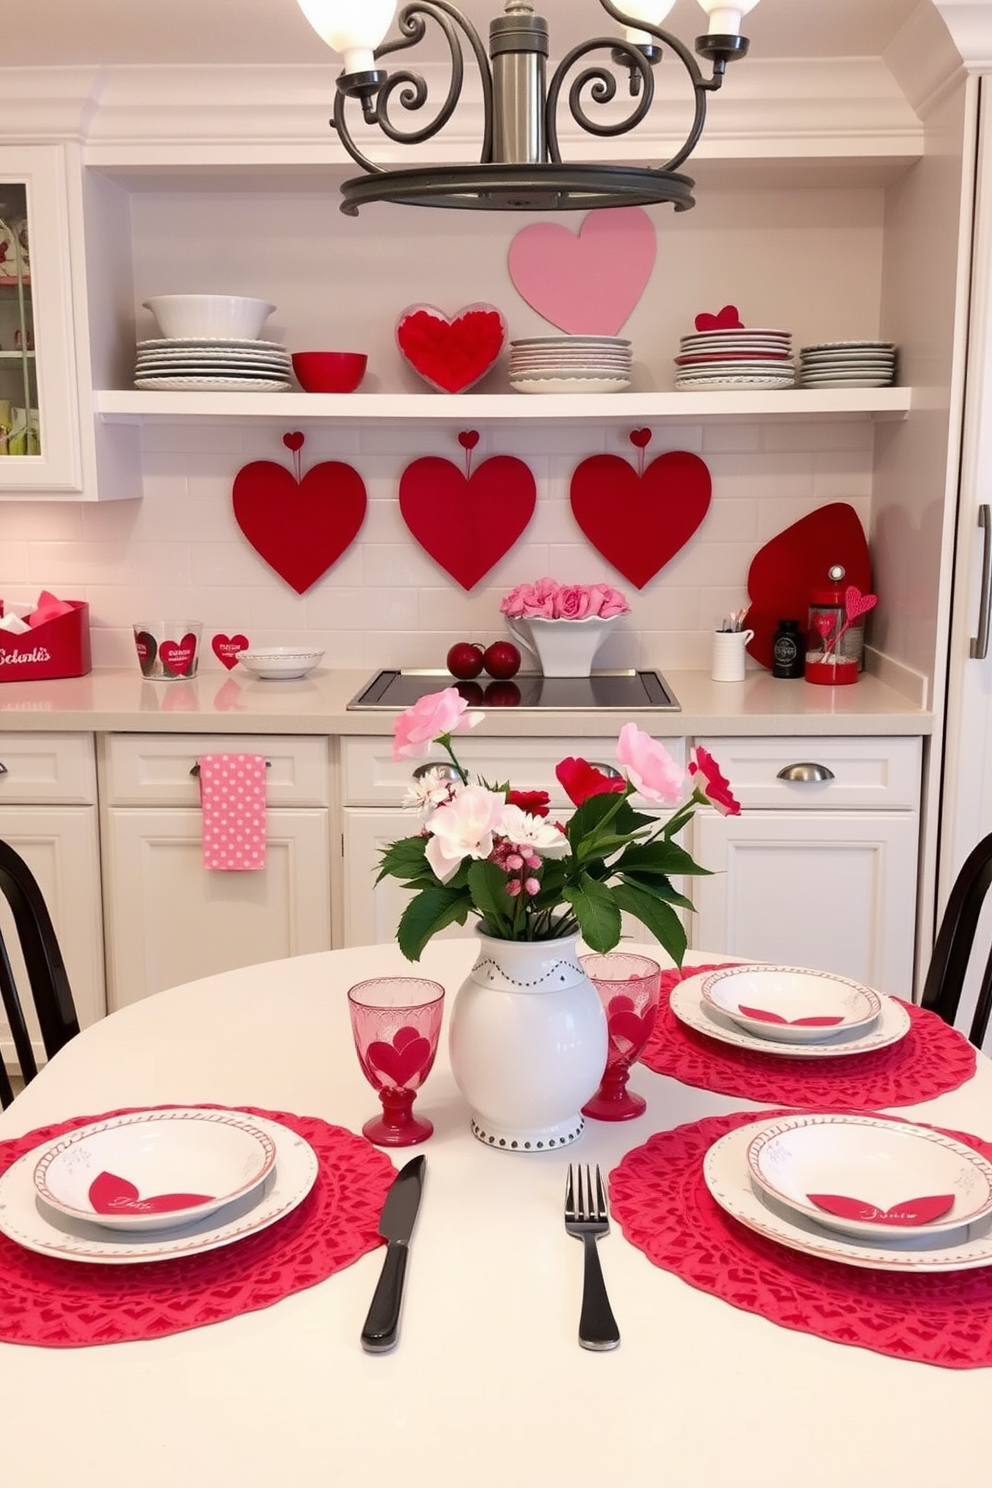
column 789, row 1004
column 195, row 317
column 273, row 663
column 154, row 1170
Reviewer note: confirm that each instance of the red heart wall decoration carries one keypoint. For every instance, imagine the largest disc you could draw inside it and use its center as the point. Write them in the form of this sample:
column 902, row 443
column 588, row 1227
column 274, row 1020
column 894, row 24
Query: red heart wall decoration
column 226, row 648
column 639, row 522
column 467, row 523
column 451, row 354
column 300, row 527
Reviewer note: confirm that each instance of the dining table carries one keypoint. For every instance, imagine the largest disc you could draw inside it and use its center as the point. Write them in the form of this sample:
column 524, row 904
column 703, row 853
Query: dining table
column 732, row 1372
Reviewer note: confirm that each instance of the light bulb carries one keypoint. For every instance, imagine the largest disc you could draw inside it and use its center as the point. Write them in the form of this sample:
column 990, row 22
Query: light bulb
column 352, row 27
column 725, row 20
column 653, row 11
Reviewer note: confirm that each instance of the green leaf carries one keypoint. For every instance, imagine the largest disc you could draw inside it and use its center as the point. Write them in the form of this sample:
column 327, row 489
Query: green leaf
column 487, row 885
column 595, row 908
column 659, row 886
column 658, row 856
column 427, row 913
column 659, row 917
column 404, row 859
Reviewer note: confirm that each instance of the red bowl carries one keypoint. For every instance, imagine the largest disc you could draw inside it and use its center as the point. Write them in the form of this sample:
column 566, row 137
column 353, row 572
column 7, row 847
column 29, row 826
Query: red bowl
column 329, row 371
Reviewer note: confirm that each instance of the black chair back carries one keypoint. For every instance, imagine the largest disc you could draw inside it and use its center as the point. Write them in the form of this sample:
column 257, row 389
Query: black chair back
column 47, row 981
column 954, row 949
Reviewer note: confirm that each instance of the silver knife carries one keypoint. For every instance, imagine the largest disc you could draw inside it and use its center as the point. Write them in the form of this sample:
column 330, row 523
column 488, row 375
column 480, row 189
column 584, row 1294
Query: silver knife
column 399, row 1214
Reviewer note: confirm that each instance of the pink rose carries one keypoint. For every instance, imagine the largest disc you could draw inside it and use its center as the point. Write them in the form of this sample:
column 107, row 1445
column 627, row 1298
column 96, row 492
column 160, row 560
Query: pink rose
column 572, row 602
column 431, row 717
column 516, row 602
column 614, row 603
column 649, row 766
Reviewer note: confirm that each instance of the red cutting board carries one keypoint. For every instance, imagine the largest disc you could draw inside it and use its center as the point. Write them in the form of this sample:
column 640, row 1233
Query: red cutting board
column 784, row 573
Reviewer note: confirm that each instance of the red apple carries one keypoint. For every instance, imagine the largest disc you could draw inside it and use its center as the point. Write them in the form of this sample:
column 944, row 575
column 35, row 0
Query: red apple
column 502, row 695
column 465, row 659
column 502, row 659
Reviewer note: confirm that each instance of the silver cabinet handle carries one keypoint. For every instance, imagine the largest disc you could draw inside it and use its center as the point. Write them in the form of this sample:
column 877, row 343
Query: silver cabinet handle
column 444, row 772
column 805, row 772
column 979, row 647
column 194, row 770
column 610, row 771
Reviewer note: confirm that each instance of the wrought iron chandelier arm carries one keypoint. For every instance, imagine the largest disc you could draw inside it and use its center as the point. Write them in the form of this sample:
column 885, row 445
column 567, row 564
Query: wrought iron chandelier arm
column 602, row 85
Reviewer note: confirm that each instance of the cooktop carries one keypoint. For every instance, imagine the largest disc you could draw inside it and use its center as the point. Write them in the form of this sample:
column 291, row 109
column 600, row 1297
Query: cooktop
column 527, row 690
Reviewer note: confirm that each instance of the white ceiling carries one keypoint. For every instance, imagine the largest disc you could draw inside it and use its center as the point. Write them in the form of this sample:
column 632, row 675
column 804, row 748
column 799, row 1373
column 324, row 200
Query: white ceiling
column 108, row 32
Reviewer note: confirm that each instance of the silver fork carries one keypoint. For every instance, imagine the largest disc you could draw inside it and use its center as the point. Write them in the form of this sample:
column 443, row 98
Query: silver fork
column 586, row 1218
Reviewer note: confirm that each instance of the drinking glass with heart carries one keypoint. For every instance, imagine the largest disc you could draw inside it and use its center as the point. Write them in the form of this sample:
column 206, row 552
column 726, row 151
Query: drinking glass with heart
column 167, row 649
column 396, row 1023
column 629, row 987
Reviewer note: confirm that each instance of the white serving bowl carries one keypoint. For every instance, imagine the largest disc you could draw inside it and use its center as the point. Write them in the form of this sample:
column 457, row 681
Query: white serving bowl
column 873, row 1173
column 207, row 317
column 154, row 1170
column 273, row 663
column 790, row 1004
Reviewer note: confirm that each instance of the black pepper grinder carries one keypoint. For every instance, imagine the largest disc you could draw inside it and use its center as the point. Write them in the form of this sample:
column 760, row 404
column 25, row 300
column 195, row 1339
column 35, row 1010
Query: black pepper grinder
column 788, row 649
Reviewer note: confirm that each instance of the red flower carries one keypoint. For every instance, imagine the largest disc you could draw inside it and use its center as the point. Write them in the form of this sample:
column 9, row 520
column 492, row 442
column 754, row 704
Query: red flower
column 708, row 781
column 581, row 780
column 534, row 802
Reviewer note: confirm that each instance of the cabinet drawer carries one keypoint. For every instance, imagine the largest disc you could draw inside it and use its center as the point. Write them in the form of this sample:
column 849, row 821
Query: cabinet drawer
column 154, row 769
column 372, row 778
column 47, row 767
column 877, row 773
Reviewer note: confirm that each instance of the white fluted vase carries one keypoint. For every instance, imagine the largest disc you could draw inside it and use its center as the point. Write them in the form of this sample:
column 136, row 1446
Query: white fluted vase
column 563, row 648
column 528, row 1043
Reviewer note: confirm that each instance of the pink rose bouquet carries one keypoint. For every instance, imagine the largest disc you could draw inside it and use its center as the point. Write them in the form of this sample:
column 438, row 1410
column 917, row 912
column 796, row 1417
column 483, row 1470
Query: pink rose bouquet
column 549, row 600
column 496, row 853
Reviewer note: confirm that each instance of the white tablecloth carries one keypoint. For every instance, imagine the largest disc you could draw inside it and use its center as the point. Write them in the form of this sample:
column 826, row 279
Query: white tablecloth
column 488, row 1387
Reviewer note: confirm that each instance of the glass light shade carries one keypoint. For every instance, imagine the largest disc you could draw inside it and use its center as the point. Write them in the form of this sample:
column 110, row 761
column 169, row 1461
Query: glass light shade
column 352, row 27
column 653, row 11
column 725, row 20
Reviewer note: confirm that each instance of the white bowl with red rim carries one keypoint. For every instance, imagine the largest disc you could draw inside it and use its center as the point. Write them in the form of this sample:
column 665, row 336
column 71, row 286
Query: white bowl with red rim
column 869, row 1176
column 790, row 1004
column 155, row 1169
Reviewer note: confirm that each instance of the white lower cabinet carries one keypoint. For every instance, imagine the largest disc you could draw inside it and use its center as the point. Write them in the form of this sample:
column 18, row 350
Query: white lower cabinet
column 48, row 814
column 170, row 920
column 820, row 868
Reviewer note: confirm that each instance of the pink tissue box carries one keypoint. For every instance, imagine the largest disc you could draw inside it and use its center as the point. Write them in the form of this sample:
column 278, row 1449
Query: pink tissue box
column 58, row 648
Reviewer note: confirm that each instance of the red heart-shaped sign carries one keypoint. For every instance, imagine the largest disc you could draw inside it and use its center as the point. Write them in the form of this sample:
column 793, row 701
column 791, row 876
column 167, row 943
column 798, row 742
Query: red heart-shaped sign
column 920, row 1211
column 403, row 1060
column 110, row 1194
column 467, row 523
column 177, row 656
column 226, row 648
column 639, row 522
column 451, row 354
column 726, row 319
column 299, row 527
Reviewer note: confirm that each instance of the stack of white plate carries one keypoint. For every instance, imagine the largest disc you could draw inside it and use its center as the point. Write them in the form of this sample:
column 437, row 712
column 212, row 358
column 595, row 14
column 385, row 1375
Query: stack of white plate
column 212, row 365
column 737, row 358
column 848, row 364
column 570, row 364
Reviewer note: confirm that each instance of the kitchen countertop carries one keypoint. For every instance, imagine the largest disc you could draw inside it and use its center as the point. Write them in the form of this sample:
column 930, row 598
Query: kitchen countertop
column 121, row 701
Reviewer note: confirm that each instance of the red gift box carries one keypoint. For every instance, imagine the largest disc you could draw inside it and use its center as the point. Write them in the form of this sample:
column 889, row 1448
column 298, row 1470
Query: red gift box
column 58, row 648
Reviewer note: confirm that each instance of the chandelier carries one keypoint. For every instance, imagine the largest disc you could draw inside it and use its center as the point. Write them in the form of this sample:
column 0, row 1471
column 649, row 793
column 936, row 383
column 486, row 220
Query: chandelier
column 520, row 164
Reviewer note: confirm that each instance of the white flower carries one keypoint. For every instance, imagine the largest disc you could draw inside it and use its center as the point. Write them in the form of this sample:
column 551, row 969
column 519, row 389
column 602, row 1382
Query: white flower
column 536, row 832
column 462, row 828
column 431, row 789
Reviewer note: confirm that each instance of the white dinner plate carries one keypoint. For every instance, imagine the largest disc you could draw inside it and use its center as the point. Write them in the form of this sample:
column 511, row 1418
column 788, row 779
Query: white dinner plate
column 210, row 384
column 726, row 1176
column 213, row 343
column 569, row 384
column 782, row 1002
column 892, row 1024
column 730, row 384
column 27, row 1220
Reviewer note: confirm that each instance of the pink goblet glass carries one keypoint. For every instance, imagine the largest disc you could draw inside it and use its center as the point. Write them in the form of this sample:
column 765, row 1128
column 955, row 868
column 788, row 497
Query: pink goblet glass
column 396, row 1022
column 628, row 987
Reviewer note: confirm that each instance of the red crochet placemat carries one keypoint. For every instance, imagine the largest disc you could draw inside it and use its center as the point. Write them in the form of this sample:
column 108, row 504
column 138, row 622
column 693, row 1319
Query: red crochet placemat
column 660, row 1200
column 65, row 1304
column 932, row 1059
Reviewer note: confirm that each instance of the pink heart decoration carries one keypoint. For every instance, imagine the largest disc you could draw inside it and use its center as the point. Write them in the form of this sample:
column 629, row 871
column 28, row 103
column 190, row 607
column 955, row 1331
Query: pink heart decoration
column 909, row 1212
column 299, row 527
column 585, row 284
column 451, row 354
column 177, row 656
column 293, row 441
column 109, row 1194
column 856, row 603
column 401, row 1061
column 226, row 648
column 726, row 319
column 765, row 1015
column 467, row 523
column 639, row 522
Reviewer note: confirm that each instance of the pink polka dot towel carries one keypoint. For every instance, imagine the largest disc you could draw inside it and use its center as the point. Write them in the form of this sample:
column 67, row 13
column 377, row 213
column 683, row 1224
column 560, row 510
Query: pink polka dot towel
column 232, row 795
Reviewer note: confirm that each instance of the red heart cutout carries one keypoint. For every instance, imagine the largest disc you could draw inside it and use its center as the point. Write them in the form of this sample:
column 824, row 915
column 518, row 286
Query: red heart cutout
column 909, row 1212
column 640, row 438
column 726, row 319
column 299, row 527
column 112, row 1195
column 787, row 570
column 468, row 439
column 639, row 522
column 765, row 1015
column 856, row 603
column 293, row 441
column 408, row 1056
column 146, row 647
column 451, row 354
column 467, row 524
column 177, row 656
column 226, row 648
column 629, row 1031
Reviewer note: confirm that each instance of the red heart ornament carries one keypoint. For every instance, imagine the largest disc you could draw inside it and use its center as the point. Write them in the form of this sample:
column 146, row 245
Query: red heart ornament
column 402, row 1060
column 226, row 648
column 856, row 603
column 467, row 523
column 726, row 319
column 112, row 1195
column 299, row 527
column 177, row 656
column 451, row 354
column 293, row 441
column 639, row 522
column 468, row 439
